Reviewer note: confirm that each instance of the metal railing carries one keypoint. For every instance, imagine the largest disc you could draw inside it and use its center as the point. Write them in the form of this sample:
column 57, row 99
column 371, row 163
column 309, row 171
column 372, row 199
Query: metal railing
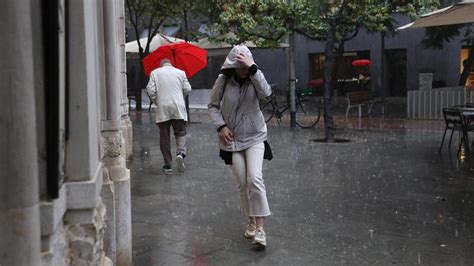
column 429, row 104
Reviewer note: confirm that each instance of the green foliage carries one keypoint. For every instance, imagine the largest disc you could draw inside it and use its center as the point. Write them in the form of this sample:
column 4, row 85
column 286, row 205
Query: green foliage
column 435, row 37
column 267, row 22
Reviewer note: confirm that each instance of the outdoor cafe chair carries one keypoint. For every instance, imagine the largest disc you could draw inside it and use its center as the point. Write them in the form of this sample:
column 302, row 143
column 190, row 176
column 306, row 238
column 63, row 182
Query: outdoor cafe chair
column 453, row 120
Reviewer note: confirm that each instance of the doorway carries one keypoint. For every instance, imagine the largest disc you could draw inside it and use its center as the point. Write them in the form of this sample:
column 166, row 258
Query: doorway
column 396, row 72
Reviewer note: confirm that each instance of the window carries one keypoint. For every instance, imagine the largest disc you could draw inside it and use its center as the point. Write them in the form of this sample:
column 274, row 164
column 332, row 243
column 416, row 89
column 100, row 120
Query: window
column 345, row 69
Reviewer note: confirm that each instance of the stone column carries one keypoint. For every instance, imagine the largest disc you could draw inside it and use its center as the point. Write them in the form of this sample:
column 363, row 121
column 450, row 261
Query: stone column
column 82, row 151
column 19, row 193
column 126, row 129
column 114, row 142
column 108, row 197
column 86, row 215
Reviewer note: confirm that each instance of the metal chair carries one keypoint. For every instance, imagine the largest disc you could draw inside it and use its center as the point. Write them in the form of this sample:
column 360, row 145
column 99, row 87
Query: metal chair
column 468, row 126
column 454, row 122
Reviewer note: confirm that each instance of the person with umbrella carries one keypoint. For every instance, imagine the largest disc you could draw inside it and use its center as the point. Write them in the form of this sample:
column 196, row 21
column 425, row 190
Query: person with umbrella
column 362, row 66
column 234, row 110
column 167, row 87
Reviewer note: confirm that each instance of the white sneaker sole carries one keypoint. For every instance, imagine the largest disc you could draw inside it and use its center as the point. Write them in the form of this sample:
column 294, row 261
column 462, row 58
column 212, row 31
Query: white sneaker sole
column 258, row 245
column 180, row 163
column 247, row 235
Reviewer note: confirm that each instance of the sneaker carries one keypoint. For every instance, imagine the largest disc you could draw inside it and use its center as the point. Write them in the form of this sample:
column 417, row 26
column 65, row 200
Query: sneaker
column 251, row 227
column 260, row 240
column 180, row 162
column 167, row 169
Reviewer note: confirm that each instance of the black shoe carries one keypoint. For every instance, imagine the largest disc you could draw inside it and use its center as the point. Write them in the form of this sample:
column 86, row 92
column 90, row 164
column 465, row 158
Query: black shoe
column 167, row 169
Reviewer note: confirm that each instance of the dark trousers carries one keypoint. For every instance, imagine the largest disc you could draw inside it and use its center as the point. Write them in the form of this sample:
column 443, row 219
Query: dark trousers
column 179, row 129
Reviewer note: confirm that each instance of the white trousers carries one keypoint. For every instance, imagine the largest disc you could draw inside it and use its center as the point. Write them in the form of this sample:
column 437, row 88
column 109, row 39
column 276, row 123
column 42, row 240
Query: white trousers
column 247, row 169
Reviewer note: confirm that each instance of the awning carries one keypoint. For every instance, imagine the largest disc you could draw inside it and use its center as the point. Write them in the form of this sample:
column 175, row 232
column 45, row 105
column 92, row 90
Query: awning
column 171, row 30
column 460, row 13
column 157, row 41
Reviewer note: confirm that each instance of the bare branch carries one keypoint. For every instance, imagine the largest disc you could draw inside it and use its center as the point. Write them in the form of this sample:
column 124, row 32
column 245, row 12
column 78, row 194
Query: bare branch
column 150, row 23
column 354, row 34
column 155, row 30
column 135, row 26
column 304, row 33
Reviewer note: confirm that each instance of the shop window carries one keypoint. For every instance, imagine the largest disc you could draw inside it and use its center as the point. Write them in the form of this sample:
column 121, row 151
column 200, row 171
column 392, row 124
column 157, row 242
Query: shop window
column 346, row 73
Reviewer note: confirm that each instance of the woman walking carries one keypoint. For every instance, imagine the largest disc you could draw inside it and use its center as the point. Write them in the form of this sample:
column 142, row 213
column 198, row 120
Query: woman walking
column 234, row 110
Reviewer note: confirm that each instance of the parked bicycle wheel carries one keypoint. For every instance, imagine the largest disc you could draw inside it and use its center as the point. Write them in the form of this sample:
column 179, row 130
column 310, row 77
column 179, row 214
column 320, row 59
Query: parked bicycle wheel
column 267, row 106
column 307, row 111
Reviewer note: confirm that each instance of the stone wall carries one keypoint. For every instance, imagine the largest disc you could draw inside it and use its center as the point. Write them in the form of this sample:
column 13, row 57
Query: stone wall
column 86, row 241
column 78, row 224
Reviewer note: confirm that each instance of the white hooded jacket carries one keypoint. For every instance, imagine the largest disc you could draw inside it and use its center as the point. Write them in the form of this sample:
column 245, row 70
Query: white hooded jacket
column 238, row 106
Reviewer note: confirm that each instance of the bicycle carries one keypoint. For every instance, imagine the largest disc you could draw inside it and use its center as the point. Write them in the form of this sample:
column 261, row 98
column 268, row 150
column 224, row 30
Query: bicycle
column 307, row 108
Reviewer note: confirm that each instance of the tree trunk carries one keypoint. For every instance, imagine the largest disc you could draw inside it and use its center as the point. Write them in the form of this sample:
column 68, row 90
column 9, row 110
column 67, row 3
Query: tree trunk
column 329, row 51
column 335, row 69
column 382, row 64
column 467, row 64
column 292, row 79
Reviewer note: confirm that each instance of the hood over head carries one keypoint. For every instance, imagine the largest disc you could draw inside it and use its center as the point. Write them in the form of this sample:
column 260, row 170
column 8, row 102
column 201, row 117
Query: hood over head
column 231, row 61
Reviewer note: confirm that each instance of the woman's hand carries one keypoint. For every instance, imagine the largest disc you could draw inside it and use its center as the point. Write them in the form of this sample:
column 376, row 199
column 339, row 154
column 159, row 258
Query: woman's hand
column 244, row 60
column 226, row 136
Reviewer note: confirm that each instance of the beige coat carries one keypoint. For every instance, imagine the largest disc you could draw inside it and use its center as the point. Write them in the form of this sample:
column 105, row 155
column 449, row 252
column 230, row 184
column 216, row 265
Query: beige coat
column 167, row 87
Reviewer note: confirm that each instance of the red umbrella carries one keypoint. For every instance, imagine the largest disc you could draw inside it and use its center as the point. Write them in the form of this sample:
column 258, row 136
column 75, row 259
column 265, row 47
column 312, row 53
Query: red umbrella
column 361, row 62
column 182, row 55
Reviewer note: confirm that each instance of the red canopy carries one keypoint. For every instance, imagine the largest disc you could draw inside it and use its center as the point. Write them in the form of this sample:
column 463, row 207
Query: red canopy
column 361, row 62
column 182, row 55
column 316, row 83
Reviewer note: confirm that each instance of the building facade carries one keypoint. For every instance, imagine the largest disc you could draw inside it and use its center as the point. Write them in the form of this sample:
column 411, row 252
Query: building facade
column 64, row 185
column 404, row 59
column 394, row 75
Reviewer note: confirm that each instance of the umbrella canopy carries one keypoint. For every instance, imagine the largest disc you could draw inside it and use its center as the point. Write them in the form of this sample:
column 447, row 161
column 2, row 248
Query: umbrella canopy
column 182, row 55
column 361, row 62
column 157, row 41
column 462, row 12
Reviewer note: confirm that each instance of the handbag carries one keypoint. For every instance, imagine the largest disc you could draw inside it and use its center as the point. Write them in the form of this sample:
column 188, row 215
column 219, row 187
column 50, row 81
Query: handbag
column 267, row 154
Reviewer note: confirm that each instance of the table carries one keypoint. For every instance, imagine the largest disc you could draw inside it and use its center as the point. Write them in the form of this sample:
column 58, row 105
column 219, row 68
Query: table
column 467, row 117
column 345, row 85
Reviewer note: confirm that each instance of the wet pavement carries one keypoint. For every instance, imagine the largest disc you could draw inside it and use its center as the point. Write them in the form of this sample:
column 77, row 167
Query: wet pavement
column 385, row 198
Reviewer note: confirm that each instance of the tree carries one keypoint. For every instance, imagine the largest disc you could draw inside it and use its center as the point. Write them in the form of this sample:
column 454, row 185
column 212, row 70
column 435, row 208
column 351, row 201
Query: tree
column 147, row 14
column 151, row 14
column 333, row 22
